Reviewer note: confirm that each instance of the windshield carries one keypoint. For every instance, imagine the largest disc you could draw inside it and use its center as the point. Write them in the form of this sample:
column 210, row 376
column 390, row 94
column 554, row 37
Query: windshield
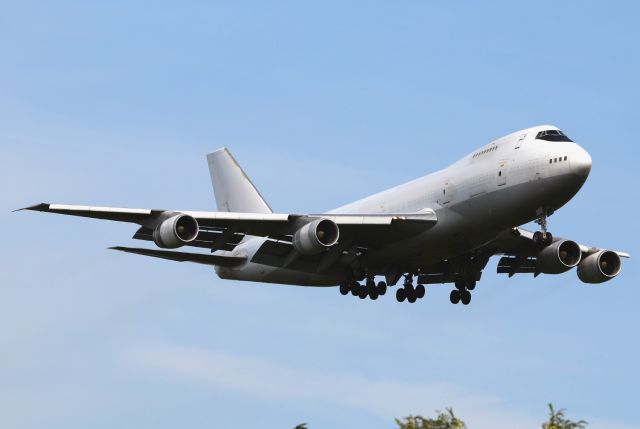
column 553, row 136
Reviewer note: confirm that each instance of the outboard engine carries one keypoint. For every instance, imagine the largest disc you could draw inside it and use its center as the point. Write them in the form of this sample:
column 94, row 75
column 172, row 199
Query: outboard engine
column 599, row 267
column 176, row 231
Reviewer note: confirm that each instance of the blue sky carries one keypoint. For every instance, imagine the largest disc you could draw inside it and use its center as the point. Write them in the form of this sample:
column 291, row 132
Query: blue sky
column 117, row 103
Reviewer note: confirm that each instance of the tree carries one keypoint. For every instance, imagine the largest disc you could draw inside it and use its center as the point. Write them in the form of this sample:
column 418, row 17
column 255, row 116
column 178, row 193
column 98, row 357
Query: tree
column 558, row 421
column 445, row 420
column 301, row 426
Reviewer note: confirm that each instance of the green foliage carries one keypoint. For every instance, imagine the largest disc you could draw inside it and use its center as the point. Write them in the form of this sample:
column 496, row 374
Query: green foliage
column 558, row 421
column 301, row 426
column 444, row 420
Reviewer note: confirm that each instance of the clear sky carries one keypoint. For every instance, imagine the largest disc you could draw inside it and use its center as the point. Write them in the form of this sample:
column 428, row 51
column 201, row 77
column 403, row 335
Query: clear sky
column 117, row 103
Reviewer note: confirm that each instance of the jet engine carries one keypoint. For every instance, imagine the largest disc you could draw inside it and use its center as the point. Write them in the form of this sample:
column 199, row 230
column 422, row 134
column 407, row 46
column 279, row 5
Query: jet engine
column 176, row 231
column 316, row 236
column 559, row 257
column 599, row 267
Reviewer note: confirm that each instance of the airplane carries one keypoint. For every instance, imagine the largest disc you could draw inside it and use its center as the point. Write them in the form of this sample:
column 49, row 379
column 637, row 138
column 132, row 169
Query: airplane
column 442, row 228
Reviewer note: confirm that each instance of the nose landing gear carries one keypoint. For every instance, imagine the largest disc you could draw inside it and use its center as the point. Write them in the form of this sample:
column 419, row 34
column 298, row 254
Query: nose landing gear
column 543, row 238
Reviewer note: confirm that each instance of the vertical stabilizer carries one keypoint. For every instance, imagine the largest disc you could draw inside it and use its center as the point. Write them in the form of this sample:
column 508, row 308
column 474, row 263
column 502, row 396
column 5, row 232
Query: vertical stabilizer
column 233, row 189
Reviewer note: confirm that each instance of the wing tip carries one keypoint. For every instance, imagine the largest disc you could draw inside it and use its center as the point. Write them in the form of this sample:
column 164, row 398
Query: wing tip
column 42, row 207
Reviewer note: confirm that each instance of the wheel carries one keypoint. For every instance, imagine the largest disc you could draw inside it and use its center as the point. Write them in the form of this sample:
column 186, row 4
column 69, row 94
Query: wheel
column 471, row 284
column 454, row 297
column 465, row 297
column 344, row 288
column 373, row 295
column 401, row 295
column 460, row 283
column 420, row 291
column 355, row 288
column 412, row 298
column 382, row 288
column 538, row 237
column 371, row 288
column 362, row 293
column 542, row 239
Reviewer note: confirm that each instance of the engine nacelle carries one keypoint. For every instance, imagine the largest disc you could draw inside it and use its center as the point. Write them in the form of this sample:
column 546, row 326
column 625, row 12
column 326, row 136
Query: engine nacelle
column 176, row 231
column 559, row 257
column 599, row 267
column 316, row 236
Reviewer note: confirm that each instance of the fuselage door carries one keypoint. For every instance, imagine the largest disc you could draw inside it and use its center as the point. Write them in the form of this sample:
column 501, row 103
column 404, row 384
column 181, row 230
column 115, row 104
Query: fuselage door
column 502, row 173
column 447, row 194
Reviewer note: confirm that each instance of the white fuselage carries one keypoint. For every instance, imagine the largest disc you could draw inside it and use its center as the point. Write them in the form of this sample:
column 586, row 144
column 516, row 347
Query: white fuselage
column 501, row 185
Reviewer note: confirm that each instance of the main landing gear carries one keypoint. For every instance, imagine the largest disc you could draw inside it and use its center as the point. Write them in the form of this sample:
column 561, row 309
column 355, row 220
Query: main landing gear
column 408, row 292
column 462, row 291
column 543, row 238
column 369, row 289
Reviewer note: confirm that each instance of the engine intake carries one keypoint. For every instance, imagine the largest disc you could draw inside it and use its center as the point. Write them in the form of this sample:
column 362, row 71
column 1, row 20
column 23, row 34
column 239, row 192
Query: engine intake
column 176, row 231
column 316, row 236
column 599, row 267
column 559, row 257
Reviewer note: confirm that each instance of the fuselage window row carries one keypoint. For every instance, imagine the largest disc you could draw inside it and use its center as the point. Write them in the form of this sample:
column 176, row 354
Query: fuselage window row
column 552, row 160
column 482, row 152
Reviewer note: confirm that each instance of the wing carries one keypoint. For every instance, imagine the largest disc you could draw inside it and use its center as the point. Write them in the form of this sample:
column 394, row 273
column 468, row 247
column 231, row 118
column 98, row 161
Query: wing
column 225, row 230
column 206, row 259
column 519, row 251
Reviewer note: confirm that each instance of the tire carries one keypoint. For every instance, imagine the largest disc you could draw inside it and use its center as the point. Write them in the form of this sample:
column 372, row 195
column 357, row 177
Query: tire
column 401, row 295
column 471, row 284
column 382, row 288
column 454, row 296
column 371, row 288
column 548, row 239
column 345, row 288
column 460, row 283
column 362, row 293
column 373, row 295
column 355, row 288
column 538, row 238
column 412, row 298
column 465, row 297
column 420, row 291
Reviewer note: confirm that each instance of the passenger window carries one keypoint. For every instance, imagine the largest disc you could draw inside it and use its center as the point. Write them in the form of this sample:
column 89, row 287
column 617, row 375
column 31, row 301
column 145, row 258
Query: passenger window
column 565, row 158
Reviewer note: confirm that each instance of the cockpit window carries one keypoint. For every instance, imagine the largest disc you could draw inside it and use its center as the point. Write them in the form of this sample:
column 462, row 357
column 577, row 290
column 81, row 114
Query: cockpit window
column 553, row 136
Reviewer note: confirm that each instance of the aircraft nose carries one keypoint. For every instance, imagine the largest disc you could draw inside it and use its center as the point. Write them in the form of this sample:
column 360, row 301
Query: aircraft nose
column 581, row 162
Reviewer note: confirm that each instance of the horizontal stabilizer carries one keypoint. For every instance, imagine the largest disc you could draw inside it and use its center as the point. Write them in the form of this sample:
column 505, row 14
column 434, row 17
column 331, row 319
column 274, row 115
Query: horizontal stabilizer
column 199, row 258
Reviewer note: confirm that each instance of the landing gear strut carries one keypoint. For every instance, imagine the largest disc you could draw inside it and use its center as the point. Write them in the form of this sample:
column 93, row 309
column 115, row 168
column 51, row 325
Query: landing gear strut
column 409, row 292
column 461, row 292
column 369, row 289
column 543, row 238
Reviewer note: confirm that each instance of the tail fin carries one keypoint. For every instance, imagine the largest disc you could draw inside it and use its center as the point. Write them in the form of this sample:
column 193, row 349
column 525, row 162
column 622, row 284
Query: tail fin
column 233, row 189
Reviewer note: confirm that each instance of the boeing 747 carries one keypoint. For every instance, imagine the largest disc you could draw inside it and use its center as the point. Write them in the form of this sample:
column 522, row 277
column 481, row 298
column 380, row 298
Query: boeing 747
column 441, row 228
